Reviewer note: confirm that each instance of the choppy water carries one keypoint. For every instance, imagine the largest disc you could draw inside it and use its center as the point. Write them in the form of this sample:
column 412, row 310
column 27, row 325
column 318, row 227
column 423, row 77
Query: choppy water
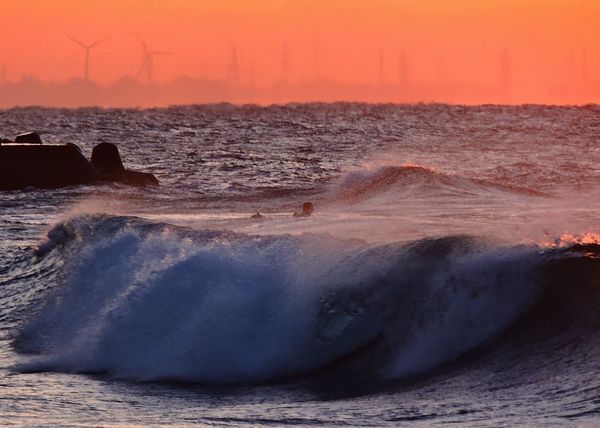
column 449, row 273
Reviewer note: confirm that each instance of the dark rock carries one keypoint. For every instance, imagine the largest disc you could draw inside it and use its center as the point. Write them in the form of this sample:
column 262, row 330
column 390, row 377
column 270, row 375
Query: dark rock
column 107, row 161
column 75, row 146
column 28, row 138
column 133, row 178
column 53, row 166
column 44, row 167
column 106, row 158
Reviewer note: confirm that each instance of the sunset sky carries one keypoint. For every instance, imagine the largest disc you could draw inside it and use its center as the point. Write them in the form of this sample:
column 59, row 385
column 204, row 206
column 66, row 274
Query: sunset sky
column 549, row 43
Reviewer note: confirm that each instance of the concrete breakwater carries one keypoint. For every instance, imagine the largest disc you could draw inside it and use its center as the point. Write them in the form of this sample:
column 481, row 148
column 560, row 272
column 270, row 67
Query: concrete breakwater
column 28, row 163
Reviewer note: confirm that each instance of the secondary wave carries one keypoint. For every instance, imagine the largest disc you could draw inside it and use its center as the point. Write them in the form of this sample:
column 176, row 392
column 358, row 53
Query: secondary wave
column 150, row 301
column 416, row 180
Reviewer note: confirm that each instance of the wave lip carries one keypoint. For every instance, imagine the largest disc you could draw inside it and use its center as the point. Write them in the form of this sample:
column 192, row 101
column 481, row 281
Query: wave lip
column 150, row 301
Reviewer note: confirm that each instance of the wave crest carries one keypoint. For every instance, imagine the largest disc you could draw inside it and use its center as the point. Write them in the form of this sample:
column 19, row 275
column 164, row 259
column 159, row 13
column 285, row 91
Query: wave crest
column 416, row 180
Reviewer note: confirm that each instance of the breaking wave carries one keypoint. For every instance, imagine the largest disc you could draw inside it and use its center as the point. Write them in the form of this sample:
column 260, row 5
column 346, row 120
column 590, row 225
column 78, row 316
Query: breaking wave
column 150, row 301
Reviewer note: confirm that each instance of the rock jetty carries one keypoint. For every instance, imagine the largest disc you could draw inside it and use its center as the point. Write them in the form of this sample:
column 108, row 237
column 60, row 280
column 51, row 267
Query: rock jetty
column 26, row 162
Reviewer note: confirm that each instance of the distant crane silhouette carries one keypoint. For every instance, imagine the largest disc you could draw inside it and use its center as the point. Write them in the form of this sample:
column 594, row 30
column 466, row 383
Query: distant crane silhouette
column 148, row 60
column 86, row 66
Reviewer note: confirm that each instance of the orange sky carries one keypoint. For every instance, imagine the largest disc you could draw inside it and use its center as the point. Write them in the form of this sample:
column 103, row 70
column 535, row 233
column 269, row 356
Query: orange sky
column 445, row 41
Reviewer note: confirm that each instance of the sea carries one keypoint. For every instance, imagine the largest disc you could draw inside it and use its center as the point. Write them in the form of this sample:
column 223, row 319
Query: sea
column 449, row 274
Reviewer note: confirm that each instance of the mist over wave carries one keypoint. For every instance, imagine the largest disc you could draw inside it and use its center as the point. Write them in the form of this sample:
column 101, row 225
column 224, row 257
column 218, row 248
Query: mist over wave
column 417, row 180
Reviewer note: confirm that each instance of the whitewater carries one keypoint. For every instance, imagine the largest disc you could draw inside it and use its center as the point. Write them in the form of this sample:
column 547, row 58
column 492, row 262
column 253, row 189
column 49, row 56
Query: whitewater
column 450, row 272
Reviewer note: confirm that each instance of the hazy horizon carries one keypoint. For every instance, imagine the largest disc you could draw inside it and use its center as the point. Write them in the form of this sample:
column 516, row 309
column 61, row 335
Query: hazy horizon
column 465, row 52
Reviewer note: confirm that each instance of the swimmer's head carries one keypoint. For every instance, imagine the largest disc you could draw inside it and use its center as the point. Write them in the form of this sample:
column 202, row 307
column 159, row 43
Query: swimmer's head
column 307, row 208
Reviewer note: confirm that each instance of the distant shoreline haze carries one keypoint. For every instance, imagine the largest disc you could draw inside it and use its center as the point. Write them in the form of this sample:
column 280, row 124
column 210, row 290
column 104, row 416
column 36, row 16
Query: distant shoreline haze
column 132, row 92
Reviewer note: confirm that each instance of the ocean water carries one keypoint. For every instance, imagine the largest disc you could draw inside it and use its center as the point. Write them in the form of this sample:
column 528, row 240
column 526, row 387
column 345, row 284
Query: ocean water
column 450, row 272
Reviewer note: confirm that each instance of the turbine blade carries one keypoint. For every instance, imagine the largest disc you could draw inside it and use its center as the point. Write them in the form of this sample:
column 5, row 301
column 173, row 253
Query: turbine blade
column 142, row 42
column 98, row 42
column 77, row 41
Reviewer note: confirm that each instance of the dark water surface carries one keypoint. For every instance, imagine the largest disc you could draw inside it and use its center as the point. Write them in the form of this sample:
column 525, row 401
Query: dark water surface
column 449, row 274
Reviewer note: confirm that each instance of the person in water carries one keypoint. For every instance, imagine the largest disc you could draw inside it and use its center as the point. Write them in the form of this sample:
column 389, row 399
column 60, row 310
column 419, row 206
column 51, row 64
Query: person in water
column 307, row 210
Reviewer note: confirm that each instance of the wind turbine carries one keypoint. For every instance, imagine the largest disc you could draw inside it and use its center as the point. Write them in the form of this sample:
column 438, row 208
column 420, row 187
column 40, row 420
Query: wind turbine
column 233, row 70
column 584, row 67
column 285, row 64
column 403, row 71
column 86, row 72
column 381, row 73
column 148, row 60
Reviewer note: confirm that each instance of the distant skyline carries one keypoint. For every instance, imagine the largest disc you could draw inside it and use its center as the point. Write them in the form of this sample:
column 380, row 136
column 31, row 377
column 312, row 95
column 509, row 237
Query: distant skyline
column 542, row 51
